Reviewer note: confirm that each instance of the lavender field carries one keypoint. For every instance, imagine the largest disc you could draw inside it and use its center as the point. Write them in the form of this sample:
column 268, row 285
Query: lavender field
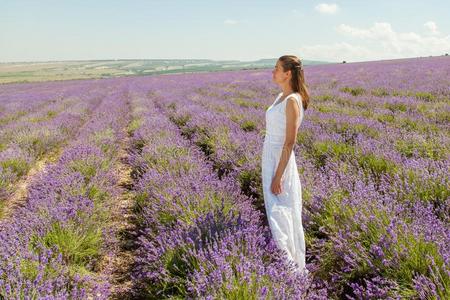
column 150, row 187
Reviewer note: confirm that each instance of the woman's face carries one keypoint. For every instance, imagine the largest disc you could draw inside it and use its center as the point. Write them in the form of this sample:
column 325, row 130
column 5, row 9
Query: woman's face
column 278, row 75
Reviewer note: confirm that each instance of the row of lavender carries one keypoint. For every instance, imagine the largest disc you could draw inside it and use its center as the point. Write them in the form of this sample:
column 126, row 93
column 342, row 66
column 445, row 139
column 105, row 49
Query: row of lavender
column 54, row 247
column 199, row 236
column 375, row 219
column 19, row 100
column 36, row 125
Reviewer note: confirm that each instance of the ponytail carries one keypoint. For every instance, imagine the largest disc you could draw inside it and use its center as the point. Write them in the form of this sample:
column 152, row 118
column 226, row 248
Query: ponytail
column 298, row 84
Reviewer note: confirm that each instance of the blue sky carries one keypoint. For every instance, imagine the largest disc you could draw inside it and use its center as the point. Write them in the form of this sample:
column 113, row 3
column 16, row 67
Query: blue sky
column 244, row 30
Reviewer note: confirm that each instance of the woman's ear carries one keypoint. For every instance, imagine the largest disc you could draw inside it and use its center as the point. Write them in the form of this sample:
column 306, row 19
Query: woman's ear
column 289, row 73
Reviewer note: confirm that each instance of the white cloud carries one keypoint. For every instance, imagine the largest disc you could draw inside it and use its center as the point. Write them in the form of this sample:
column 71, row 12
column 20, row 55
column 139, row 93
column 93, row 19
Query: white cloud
column 326, row 8
column 378, row 30
column 230, row 22
column 335, row 52
column 432, row 27
column 380, row 41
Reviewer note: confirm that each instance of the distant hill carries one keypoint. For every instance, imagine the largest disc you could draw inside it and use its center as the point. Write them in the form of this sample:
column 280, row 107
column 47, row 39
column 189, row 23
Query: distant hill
column 63, row 70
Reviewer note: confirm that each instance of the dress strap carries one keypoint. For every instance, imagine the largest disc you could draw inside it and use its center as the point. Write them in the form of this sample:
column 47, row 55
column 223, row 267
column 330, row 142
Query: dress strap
column 278, row 97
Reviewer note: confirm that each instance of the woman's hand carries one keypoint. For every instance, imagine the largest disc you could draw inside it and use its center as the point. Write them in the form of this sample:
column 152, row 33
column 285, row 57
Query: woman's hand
column 276, row 185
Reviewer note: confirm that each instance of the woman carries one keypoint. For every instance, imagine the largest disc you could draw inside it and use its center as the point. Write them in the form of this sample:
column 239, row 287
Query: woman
column 281, row 182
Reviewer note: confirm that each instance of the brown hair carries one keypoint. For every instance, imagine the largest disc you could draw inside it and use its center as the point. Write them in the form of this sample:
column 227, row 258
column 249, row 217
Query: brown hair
column 293, row 63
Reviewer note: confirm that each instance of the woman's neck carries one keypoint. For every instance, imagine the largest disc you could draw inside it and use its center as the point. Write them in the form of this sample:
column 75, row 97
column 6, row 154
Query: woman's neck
column 287, row 92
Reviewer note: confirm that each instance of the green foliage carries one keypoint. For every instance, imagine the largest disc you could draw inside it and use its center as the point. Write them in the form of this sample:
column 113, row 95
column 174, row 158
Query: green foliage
column 246, row 104
column 246, row 93
column 394, row 107
column 408, row 124
column 237, row 118
column 248, row 125
column 321, row 151
column 380, row 92
column 180, row 120
column 18, row 166
column 189, row 132
column 79, row 245
column 47, row 116
column 178, row 264
column 140, row 201
column 414, row 261
column 210, row 200
column 344, row 101
column 2, row 201
column 133, row 126
column 376, row 166
column 138, row 144
column 323, row 108
column 11, row 117
column 167, row 159
column 30, row 269
column 235, row 287
column 323, row 98
column 426, row 149
column 350, row 131
column 426, row 96
column 304, row 138
column 250, row 180
column 37, row 141
column 105, row 140
column 386, row 118
column 329, row 220
column 96, row 194
column 367, row 113
column 442, row 116
column 39, row 146
column 88, row 167
column 427, row 190
column 356, row 91
column 172, row 106
column 362, row 104
column 206, row 144
column 334, row 214
column 51, row 114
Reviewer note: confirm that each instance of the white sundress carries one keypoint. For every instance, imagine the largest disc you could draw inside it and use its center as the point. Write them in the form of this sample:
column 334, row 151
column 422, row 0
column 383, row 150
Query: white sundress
column 284, row 211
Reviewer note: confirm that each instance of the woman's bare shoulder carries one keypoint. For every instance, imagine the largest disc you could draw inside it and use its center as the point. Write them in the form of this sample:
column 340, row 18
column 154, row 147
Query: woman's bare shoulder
column 292, row 102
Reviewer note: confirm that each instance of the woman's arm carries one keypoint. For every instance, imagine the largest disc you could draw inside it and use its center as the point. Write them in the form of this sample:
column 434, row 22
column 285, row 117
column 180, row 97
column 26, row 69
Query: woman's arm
column 292, row 118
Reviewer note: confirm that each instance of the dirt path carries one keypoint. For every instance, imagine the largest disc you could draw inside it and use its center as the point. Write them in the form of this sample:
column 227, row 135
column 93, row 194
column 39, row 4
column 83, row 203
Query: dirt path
column 124, row 225
column 117, row 264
